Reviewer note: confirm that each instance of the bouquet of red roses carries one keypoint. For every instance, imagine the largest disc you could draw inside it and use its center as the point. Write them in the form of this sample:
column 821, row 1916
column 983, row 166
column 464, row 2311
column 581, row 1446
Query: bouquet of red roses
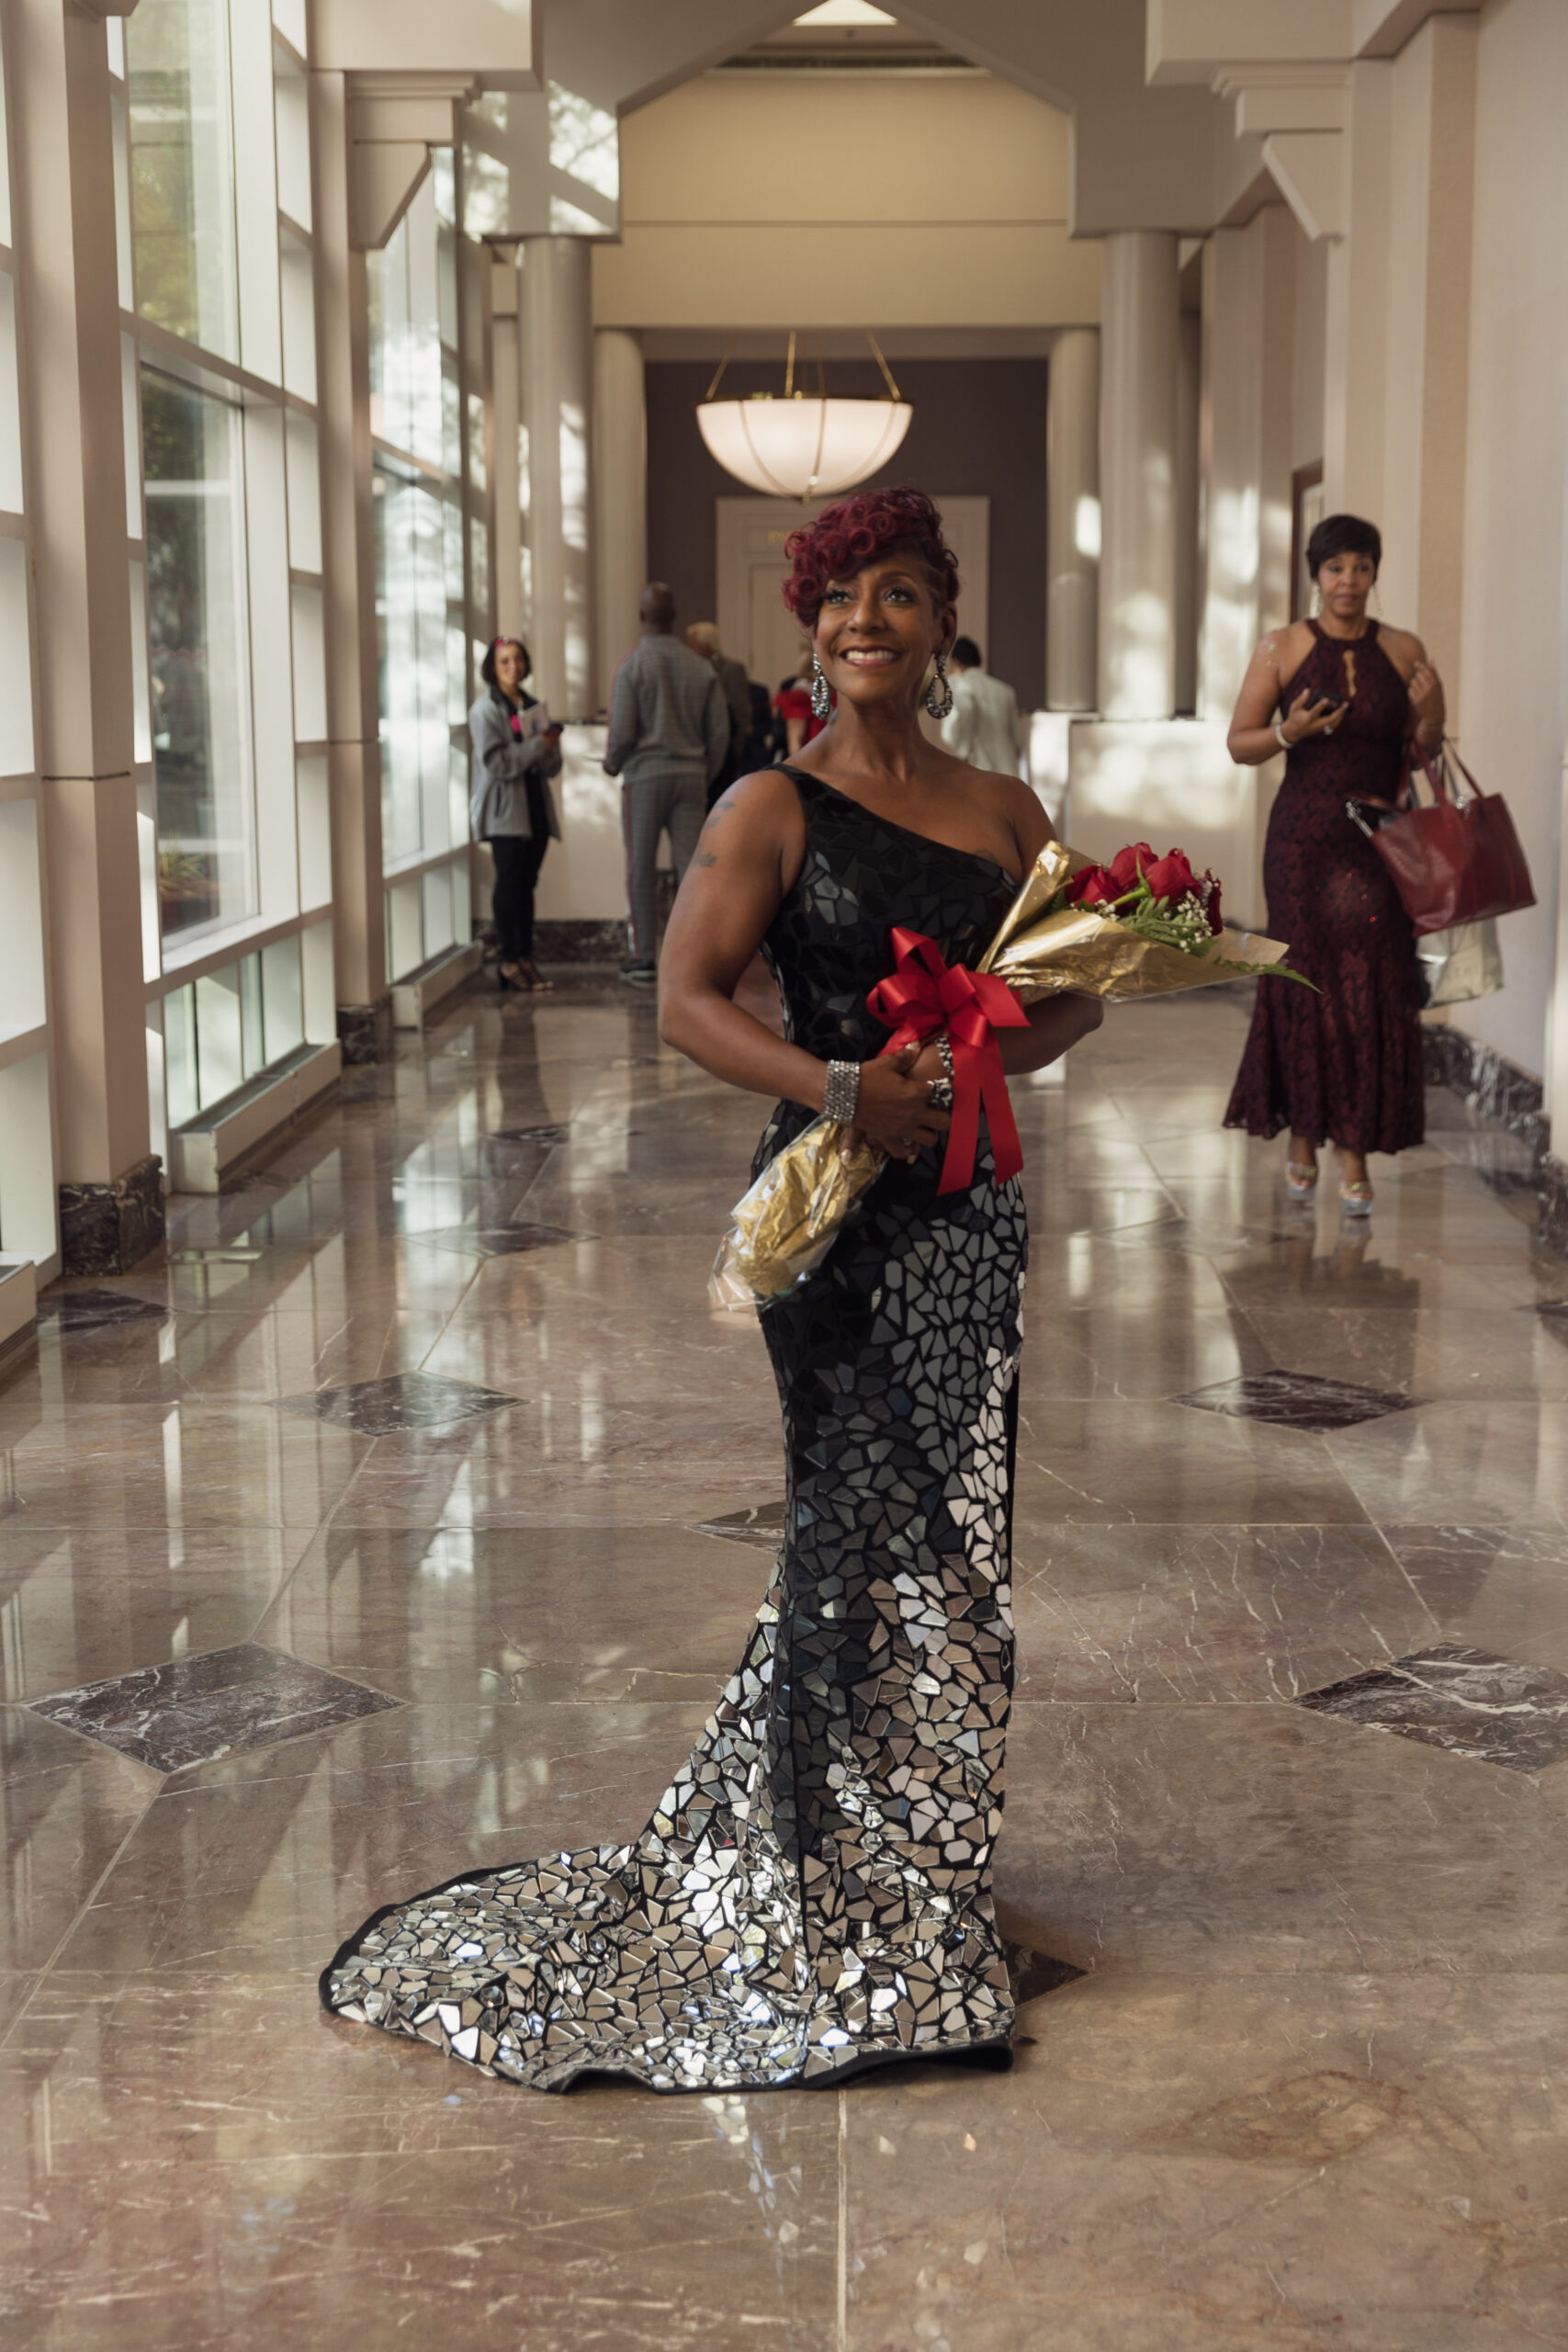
column 1139, row 926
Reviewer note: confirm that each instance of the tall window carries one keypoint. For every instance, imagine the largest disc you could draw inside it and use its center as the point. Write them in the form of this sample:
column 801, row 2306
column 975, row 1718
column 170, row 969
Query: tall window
column 182, row 178
column 211, row 106
column 28, row 1226
column 199, row 643
column 432, row 561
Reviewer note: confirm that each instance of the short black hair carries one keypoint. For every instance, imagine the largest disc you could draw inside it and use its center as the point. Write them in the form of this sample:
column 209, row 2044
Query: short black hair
column 964, row 649
column 1343, row 535
column 487, row 667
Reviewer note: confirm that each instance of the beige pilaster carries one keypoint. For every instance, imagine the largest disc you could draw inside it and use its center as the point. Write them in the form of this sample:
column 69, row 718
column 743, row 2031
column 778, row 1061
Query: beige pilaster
column 71, row 362
column 349, row 564
column 1072, row 520
column 1356, row 335
column 557, row 379
column 1188, row 503
column 620, row 496
column 1140, row 306
column 1244, row 439
column 1427, row 385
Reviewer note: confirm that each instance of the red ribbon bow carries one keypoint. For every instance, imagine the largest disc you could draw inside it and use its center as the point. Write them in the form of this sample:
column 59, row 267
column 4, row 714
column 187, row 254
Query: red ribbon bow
column 924, row 994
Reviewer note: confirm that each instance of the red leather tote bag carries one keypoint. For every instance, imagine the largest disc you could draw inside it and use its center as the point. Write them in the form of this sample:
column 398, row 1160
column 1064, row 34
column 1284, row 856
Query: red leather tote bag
column 1458, row 860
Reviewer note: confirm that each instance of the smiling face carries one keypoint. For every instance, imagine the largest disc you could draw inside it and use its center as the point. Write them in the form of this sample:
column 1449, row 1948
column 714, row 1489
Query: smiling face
column 1345, row 581
column 509, row 671
column 876, row 633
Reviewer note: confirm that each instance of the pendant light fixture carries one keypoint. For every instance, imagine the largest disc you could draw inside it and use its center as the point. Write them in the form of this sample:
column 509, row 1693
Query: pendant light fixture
column 804, row 445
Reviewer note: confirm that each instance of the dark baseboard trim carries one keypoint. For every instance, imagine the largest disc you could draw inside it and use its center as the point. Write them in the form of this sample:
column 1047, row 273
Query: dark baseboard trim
column 365, row 1031
column 1495, row 1087
column 1490, row 1084
column 580, row 943
column 108, row 1229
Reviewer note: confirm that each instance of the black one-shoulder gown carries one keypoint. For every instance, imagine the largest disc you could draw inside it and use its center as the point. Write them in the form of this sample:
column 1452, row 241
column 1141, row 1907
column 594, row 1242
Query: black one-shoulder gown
column 812, row 1893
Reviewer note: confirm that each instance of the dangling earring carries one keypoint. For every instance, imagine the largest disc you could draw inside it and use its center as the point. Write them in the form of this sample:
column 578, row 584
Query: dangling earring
column 1316, row 600
column 821, row 693
column 1376, row 600
column 940, row 703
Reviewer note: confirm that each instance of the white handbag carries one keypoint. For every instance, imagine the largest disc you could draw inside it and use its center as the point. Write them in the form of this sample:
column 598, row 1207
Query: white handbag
column 1462, row 963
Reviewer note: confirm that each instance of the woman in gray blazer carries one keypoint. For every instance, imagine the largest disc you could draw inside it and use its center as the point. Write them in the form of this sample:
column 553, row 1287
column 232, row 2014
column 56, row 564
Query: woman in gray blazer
column 517, row 751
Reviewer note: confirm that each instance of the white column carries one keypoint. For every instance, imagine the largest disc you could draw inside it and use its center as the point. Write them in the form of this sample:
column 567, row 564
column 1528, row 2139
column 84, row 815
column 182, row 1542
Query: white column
column 1188, row 375
column 1072, row 520
column 506, row 520
column 620, row 495
column 557, row 373
column 1140, row 307
column 349, row 564
column 1247, row 370
column 111, row 1203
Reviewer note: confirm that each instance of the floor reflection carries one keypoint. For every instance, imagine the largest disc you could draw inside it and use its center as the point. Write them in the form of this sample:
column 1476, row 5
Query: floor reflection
column 1282, row 1869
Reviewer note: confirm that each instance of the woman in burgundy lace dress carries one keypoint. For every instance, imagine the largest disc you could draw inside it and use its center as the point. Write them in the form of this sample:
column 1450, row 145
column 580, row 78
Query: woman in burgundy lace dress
column 1344, row 1065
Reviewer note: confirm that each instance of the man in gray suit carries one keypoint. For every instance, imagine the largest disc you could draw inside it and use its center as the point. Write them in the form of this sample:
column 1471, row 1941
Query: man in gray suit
column 669, row 738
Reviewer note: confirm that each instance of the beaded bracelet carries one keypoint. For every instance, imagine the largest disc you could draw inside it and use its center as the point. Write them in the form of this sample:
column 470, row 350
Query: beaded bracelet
column 841, row 1093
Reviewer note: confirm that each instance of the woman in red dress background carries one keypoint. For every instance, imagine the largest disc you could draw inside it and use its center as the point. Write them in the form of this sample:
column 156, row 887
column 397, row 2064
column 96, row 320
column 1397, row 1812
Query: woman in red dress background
column 1341, row 695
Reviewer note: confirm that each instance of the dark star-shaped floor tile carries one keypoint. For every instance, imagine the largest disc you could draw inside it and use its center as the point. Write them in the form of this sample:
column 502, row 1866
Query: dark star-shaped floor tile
column 405, row 1400
column 92, row 1310
column 197, row 1709
column 1296, row 1400
column 500, row 1240
column 762, row 1526
column 1031, row 1973
column 1468, row 1700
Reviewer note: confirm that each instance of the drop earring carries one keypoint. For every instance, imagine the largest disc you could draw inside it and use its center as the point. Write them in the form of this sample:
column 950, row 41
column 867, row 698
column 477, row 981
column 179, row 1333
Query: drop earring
column 1376, row 600
column 821, row 693
column 939, row 694
column 1316, row 600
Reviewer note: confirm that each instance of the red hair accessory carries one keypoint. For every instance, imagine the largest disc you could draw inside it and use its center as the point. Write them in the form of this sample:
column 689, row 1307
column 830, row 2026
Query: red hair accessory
column 924, row 994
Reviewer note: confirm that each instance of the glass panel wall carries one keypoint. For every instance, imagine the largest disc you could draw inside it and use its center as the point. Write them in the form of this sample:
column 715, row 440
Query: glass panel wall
column 27, row 1197
column 182, row 169
column 210, row 101
column 198, row 639
column 432, row 596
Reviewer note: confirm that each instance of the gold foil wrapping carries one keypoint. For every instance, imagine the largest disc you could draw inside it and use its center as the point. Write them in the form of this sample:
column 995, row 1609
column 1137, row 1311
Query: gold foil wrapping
column 1040, row 955
column 787, row 1223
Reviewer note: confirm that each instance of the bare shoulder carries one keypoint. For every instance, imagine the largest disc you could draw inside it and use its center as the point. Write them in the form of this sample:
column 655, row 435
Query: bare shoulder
column 1015, row 806
column 1284, row 650
column 758, row 816
column 1403, row 647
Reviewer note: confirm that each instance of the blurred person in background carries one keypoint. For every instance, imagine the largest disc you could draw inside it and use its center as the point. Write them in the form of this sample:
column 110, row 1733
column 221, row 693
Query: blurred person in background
column 1342, row 695
column 794, row 705
column 984, row 726
column 704, row 639
column 669, row 738
column 517, row 751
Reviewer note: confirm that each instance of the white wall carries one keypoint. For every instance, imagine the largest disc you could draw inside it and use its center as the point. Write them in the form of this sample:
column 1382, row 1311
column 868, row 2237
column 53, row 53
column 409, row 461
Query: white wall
column 1513, row 679
column 861, row 200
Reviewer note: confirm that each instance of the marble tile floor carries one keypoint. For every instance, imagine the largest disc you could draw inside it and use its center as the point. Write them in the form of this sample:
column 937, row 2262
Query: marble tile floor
column 350, row 1541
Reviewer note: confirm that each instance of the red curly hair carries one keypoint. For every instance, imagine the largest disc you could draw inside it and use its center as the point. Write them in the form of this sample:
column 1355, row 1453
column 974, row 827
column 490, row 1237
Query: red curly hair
column 861, row 530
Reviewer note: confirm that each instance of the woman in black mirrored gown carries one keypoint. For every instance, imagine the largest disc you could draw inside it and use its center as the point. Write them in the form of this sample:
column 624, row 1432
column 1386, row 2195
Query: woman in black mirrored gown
column 812, row 1895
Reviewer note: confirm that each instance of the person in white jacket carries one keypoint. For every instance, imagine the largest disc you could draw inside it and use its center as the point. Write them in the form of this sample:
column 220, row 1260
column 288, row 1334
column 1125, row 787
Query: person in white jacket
column 984, row 726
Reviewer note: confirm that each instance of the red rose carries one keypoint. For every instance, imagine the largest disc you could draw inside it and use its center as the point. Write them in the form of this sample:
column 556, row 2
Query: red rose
column 1127, row 865
column 1209, row 891
column 1092, row 888
column 1171, row 877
